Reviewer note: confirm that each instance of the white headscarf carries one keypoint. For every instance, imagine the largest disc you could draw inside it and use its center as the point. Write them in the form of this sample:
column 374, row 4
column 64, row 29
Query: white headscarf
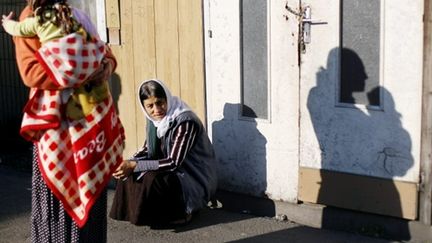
column 175, row 106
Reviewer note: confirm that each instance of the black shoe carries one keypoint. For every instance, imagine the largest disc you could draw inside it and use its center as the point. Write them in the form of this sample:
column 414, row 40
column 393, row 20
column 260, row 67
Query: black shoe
column 182, row 221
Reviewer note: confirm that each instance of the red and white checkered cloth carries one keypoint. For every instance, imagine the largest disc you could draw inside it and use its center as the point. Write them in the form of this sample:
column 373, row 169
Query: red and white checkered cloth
column 76, row 157
column 70, row 60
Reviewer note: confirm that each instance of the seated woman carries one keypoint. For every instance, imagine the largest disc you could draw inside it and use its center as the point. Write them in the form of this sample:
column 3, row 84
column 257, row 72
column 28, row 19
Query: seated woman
column 174, row 174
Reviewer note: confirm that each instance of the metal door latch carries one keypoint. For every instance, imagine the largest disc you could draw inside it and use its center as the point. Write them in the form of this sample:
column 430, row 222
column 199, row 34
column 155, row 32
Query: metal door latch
column 306, row 22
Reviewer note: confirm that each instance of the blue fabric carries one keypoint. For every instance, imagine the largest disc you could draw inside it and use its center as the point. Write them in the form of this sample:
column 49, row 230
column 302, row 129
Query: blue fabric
column 197, row 173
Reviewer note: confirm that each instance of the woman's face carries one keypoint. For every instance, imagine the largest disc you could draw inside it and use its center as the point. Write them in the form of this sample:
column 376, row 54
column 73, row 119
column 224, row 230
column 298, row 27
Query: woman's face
column 155, row 107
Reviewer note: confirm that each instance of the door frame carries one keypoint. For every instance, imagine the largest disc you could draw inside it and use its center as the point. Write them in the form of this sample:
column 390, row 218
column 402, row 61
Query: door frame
column 425, row 194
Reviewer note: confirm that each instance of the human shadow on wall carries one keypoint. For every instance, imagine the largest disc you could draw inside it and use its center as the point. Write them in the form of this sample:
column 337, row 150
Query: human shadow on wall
column 367, row 141
column 116, row 89
column 241, row 150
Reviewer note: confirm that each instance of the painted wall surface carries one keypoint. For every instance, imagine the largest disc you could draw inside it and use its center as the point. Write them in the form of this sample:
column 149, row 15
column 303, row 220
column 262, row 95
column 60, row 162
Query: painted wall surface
column 95, row 9
column 88, row 6
column 382, row 142
column 261, row 157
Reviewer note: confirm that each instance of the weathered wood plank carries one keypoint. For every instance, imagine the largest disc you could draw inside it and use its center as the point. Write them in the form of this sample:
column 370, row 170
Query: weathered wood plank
column 167, row 44
column 358, row 192
column 112, row 13
column 425, row 204
column 144, row 55
column 123, row 79
column 191, row 46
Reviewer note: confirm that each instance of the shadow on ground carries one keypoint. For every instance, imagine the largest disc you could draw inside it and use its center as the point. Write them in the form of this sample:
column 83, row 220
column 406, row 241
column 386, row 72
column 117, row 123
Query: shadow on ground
column 211, row 225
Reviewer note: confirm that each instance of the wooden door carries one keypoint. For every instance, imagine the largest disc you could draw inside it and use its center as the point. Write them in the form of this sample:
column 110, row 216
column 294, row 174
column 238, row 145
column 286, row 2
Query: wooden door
column 155, row 39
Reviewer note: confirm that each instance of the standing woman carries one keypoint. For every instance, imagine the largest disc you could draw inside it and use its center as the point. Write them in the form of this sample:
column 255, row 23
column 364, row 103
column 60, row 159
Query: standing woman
column 174, row 174
column 54, row 217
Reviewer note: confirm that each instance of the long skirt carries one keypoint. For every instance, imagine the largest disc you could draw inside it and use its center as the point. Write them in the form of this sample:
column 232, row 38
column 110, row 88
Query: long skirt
column 154, row 199
column 51, row 223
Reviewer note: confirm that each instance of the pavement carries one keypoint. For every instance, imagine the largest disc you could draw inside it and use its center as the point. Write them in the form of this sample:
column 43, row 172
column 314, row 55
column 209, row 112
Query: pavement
column 210, row 225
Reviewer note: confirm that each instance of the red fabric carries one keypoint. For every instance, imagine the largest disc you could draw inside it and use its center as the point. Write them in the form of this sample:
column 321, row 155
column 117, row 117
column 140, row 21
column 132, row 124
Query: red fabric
column 66, row 62
column 75, row 179
column 70, row 60
column 77, row 158
column 42, row 112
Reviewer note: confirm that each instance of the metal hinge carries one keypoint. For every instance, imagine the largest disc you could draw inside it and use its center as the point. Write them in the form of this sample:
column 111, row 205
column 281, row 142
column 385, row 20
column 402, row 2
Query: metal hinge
column 421, row 185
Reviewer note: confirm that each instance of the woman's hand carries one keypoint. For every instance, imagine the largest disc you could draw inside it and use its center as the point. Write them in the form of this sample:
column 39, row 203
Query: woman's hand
column 124, row 170
column 102, row 73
